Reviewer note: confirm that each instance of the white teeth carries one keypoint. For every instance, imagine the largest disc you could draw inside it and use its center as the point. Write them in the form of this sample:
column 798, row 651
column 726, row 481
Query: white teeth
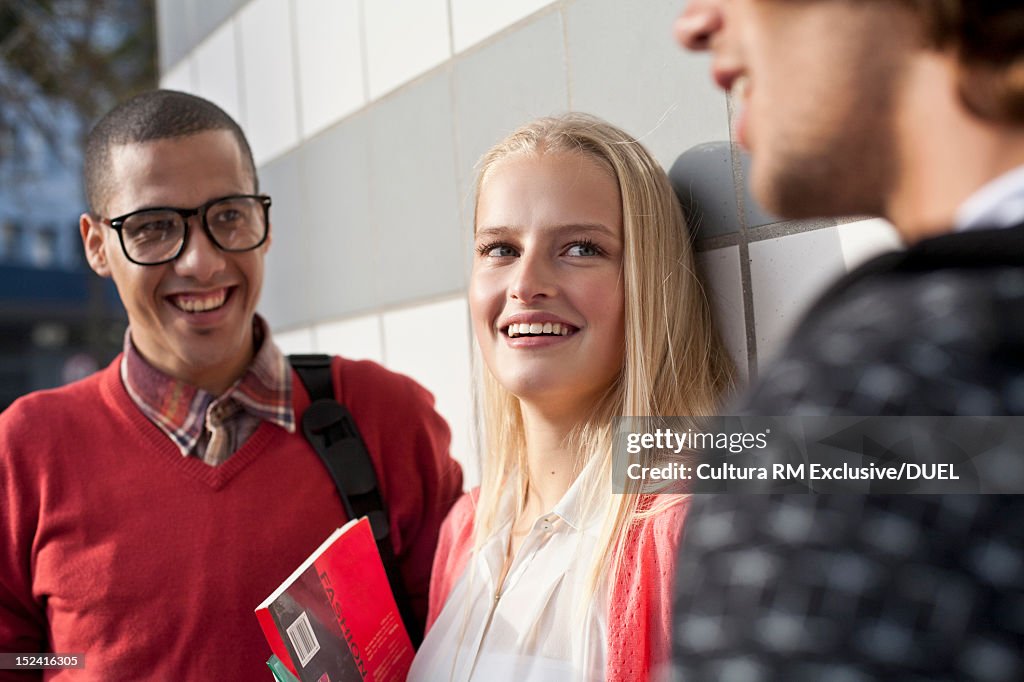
column 201, row 304
column 553, row 328
column 740, row 86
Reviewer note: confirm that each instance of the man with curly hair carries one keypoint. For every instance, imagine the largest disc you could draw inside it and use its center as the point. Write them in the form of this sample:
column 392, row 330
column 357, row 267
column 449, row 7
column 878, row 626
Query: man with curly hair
column 912, row 110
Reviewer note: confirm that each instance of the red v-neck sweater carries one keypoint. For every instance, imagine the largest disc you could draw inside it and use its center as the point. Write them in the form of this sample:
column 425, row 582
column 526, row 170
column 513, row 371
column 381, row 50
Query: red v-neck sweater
column 114, row 545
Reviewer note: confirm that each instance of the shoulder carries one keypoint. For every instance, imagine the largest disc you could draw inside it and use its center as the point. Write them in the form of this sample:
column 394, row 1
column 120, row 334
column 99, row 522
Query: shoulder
column 363, row 372
column 366, row 380
column 654, row 537
column 457, row 529
column 31, row 413
column 640, row 603
column 402, row 430
column 393, row 411
column 902, row 342
column 886, row 311
column 42, row 435
column 648, row 558
column 455, row 540
column 452, row 554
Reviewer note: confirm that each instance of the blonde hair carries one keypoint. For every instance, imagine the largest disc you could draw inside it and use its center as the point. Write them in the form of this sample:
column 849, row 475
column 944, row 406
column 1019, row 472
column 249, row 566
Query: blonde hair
column 674, row 362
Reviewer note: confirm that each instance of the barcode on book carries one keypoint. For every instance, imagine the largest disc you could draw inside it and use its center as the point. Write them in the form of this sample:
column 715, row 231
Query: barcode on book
column 301, row 634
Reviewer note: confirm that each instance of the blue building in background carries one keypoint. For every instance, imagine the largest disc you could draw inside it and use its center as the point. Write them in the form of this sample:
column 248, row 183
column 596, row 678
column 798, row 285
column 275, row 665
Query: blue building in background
column 58, row 321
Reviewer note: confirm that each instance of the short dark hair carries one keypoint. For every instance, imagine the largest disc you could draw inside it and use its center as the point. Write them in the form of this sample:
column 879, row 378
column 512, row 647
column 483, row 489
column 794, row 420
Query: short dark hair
column 153, row 115
column 987, row 36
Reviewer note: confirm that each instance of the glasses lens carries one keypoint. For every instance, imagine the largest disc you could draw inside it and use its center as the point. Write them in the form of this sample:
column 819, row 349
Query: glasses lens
column 237, row 224
column 152, row 236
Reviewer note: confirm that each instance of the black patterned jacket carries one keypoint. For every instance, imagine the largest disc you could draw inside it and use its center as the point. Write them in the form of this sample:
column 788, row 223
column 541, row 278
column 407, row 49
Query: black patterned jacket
column 851, row 588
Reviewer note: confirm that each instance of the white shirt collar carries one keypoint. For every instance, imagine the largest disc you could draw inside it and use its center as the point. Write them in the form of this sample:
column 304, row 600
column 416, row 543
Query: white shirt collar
column 999, row 203
column 571, row 507
column 536, row 628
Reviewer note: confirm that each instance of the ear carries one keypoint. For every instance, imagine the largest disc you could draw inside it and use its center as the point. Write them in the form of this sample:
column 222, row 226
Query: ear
column 94, row 241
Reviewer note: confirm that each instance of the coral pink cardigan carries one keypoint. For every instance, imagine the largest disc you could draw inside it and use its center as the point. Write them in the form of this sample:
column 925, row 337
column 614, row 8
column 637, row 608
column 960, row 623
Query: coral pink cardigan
column 639, row 607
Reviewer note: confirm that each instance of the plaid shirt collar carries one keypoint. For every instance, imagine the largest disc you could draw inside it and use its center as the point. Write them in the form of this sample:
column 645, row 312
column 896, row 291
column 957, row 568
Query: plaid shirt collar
column 179, row 409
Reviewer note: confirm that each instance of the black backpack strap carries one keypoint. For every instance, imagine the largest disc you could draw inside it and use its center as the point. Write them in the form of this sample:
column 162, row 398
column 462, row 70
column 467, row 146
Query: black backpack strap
column 331, row 430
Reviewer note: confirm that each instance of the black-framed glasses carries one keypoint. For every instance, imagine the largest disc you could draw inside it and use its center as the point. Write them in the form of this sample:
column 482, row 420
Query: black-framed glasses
column 152, row 236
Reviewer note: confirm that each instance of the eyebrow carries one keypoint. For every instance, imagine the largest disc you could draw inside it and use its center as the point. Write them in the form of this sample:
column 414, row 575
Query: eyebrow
column 508, row 230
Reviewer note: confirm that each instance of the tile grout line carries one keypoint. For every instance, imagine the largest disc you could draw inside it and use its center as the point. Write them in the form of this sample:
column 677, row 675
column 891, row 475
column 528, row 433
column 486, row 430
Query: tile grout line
column 746, row 281
column 293, row 26
column 364, row 54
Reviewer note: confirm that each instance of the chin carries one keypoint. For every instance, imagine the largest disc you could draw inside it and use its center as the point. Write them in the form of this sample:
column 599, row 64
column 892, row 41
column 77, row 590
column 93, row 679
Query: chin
column 532, row 387
column 529, row 389
column 805, row 185
column 791, row 197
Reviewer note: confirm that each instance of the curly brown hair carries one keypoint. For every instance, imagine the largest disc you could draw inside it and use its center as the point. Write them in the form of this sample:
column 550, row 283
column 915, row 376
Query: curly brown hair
column 988, row 39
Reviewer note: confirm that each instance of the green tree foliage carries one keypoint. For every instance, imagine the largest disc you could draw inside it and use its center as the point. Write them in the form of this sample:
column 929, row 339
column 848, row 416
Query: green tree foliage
column 69, row 60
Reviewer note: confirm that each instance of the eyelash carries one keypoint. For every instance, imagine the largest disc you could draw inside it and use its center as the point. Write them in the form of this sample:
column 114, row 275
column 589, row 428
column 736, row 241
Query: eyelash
column 590, row 244
column 483, row 249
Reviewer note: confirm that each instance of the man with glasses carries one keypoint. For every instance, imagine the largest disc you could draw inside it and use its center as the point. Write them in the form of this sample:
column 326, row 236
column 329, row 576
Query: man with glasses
column 913, row 110
column 147, row 510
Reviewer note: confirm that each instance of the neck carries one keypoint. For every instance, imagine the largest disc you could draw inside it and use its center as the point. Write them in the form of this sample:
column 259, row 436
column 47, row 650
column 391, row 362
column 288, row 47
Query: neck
column 215, row 380
column 219, row 382
column 946, row 153
column 551, row 463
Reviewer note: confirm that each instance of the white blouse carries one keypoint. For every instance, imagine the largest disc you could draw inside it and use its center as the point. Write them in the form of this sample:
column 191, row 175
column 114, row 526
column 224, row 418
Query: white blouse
column 533, row 630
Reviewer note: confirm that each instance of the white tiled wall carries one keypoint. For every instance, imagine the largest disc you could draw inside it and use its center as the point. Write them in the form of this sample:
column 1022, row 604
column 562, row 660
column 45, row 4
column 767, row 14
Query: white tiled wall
column 217, row 71
column 296, row 341
column 404, row 38
column 180, row 77
column 786, row 275
column 473, row 20
column 329, row 53
column 356, row 338
column 721, row 273
column 865, row 239
column 430, row 343
column 624, row 66
column 268, row 78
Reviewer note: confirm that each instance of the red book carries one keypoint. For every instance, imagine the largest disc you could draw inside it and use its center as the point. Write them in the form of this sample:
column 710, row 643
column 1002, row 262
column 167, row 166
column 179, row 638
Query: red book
column 335, row 617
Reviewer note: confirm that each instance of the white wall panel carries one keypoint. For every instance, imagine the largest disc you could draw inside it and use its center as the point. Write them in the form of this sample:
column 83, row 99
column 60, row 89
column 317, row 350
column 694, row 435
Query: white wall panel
column 329, row 49
column 404, row 38
column 357, row 338
column 721, row 272
column 787, row 274
column 296, row 341
column 180, row 77
column 431, row 344
column 865, row 239
column 217, row 76
column 473, row 20
column 268, row 78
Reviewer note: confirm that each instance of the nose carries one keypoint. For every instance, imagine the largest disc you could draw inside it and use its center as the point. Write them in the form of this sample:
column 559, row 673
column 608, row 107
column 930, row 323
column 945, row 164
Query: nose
column 698, row 24
column 534, row 279
column 200, row 259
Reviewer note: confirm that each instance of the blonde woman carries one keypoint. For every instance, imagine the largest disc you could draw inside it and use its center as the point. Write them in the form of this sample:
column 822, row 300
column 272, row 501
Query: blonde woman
column 585, row 306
